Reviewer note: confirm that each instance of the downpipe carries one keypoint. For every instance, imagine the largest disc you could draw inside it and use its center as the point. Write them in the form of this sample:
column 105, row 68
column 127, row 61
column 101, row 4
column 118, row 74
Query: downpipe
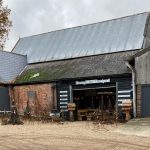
column 134, row 87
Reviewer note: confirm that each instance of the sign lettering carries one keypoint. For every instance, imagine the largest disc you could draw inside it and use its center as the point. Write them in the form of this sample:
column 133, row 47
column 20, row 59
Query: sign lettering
column 92, row 81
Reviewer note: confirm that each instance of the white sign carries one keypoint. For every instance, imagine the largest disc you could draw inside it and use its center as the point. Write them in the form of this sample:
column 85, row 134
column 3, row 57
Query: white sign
column 63, row 99
column 63, row 95
column 92, row 81
column 62, row 92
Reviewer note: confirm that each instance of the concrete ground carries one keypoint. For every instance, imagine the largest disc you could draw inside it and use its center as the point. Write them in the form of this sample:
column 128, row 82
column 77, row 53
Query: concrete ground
column 69, row 136
column 138, row 127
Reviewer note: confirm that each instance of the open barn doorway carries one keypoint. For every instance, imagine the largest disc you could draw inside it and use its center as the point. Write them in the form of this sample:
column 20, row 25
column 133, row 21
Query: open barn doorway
column 90, row 100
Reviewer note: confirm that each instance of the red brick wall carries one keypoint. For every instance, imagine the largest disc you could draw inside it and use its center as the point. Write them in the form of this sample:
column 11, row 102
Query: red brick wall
column 43, row 100
column 139, row 107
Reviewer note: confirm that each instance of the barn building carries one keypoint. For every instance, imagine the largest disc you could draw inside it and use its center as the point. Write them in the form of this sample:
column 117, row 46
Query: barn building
column 99, row 65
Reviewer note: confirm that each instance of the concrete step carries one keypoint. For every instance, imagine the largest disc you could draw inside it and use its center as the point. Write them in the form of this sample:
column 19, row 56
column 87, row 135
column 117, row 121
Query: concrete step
column 137, row 126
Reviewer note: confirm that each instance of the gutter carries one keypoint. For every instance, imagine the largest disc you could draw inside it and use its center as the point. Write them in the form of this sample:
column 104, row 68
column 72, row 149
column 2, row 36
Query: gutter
column 134, row 86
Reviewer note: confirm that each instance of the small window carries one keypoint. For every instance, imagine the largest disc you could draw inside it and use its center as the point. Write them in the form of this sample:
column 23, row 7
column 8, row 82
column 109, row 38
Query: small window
column 31, row 95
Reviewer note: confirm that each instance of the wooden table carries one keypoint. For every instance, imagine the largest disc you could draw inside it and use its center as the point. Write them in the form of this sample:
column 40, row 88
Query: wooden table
column 85, row 113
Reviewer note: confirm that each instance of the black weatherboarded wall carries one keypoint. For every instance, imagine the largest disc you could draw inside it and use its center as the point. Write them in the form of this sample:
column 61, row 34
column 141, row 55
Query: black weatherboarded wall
column 124, row 89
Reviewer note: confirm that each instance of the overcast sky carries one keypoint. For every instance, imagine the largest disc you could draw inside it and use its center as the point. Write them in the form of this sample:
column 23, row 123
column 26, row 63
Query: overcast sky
column 37, row 16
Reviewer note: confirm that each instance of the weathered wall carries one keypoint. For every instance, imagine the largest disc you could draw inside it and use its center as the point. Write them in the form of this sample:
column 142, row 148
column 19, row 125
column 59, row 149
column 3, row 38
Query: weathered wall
column 39, row 97
column 142, row 66
column 146, row 43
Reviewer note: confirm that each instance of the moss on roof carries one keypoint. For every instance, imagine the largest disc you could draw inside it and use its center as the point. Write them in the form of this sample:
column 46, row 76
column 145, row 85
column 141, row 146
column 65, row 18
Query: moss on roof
column 41, row 74
column 101, row 65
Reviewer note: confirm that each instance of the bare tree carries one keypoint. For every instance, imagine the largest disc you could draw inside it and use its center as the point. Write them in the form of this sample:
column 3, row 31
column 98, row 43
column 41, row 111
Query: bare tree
column 5, row 24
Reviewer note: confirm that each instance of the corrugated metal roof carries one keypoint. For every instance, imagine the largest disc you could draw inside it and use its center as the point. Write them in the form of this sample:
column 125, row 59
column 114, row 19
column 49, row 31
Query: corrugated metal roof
column 10, row 66
column 93, row 66
column 105, row 37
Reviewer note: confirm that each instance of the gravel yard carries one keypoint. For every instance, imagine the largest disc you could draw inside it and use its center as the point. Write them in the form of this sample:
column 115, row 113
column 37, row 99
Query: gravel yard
column 68, row 136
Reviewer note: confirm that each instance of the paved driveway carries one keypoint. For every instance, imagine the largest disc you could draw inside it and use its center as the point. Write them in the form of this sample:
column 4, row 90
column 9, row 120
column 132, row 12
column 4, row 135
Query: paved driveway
column 68, row 136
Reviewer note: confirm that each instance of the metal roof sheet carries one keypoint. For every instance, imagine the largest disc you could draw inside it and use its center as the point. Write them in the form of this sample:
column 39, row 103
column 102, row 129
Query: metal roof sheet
column 10, row 66
column 105, row 37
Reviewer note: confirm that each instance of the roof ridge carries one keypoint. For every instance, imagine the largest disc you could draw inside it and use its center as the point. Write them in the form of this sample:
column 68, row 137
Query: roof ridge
column 11, row 53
